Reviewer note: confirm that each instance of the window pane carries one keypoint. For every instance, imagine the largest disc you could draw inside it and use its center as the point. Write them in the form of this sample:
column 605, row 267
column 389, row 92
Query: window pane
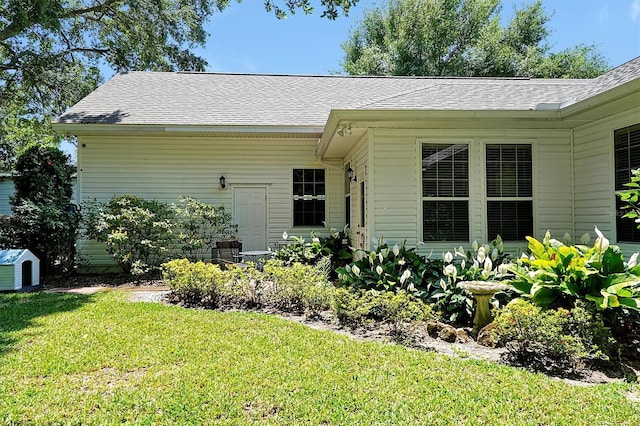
column 627, row 153
column 310, row 184
column 512, row 220
column 445, row 170
column 445, row 221
column 509, row 171
column 626, row 228
column 308, row 212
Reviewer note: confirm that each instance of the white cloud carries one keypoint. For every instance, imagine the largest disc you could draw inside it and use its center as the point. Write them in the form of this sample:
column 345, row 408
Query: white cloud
column 634, row 10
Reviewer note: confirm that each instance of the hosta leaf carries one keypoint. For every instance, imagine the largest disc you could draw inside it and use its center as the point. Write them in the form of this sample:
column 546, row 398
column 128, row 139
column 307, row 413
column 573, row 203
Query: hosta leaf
column 543, row 295
column 612, row 262
column 633, row 303
column 537, row 248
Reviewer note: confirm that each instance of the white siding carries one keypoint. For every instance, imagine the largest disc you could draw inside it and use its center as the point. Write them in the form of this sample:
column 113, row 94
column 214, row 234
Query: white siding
column 6, row 191
column 166, row 168
column 398, row 193
column 594, row 174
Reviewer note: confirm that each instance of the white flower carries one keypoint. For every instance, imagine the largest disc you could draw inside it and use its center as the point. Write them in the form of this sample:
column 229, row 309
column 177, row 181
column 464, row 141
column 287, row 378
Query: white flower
column 379, row 270
column 488, row 265
column 401, row 262
column 463, row 264
column 475, row 245
column 396, row 250
column 524, row 256
column 411, row 287
column 476, row 265
column 503, row 268
column 356, row 270
column 285, row 236
column 443, row 284
column 586, row 237
column 567, row 238
column 448, row 257
column 633, row 260
column 380, row 257
column 315, row 240
column 450, row 271
column 601, row 243
column 481, row 255
column 405, row 275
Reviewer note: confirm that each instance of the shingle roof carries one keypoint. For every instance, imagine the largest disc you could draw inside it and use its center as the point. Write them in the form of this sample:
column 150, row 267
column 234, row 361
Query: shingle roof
column 286, row 100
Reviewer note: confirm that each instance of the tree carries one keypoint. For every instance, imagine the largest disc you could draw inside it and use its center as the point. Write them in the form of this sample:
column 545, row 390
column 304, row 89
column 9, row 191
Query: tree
column 462, row 38
column 51, row 52
column 43, row 219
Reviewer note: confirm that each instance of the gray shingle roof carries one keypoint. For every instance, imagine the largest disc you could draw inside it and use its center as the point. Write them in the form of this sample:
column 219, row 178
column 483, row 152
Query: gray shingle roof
column 285, row 100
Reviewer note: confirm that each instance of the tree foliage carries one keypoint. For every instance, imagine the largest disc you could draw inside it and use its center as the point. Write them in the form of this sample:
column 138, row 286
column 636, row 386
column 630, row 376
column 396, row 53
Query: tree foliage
column 51, row 52
column 43, row 219
column 462, row 38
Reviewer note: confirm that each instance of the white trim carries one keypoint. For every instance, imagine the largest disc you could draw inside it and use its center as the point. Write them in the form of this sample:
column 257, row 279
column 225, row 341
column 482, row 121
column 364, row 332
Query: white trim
column 293, row 198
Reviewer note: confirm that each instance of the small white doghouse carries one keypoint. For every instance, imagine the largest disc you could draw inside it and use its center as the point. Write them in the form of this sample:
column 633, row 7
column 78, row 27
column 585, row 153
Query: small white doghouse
column 18, row 269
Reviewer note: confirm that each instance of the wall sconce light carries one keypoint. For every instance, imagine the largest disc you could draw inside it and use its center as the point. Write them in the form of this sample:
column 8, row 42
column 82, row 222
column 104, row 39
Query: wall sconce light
column 351, row 176
column 223, row 182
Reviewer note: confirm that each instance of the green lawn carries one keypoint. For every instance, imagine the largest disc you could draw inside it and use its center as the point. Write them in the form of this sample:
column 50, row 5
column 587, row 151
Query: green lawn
column 102, row 360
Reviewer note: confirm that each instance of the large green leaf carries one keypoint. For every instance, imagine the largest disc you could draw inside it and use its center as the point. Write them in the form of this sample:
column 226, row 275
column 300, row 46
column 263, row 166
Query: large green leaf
column 537, row 248
column 612, row 261
column 543, row 295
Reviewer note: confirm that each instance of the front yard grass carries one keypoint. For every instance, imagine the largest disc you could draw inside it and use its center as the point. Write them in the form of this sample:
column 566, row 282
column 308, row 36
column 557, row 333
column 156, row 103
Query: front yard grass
column 100, row 359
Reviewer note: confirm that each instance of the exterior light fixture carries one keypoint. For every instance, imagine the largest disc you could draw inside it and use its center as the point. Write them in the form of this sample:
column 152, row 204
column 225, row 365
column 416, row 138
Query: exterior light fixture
column 223, row 182
column 345, row 129
column 350, row 175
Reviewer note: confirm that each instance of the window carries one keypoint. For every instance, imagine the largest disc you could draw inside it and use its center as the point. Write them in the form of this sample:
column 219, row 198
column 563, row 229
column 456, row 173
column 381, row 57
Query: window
column 509, row 191
column 445, row 192
column 308, row 197
column 627, row 158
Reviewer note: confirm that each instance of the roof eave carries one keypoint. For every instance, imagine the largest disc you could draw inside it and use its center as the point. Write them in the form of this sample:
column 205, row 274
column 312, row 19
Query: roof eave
column 83, row 129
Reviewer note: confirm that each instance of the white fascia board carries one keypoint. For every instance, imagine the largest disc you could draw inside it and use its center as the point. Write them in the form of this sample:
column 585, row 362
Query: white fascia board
column 85, row 129
column 610, row 95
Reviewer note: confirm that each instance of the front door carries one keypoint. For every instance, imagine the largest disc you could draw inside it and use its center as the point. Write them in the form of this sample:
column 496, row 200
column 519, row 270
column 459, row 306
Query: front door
column 250, row 213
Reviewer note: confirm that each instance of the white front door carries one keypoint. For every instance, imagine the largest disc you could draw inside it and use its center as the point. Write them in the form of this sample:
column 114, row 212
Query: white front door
column 250, row 213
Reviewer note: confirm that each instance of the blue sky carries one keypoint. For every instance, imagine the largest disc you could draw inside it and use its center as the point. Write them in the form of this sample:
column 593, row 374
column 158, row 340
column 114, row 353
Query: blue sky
column 246, row 39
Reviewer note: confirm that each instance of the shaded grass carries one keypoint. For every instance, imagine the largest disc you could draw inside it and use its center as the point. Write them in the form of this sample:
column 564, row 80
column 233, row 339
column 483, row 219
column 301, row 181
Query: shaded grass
column 111, row 361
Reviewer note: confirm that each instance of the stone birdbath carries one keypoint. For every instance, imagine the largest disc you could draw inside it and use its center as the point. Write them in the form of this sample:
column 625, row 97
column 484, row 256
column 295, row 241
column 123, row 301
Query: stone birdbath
column 482, row 291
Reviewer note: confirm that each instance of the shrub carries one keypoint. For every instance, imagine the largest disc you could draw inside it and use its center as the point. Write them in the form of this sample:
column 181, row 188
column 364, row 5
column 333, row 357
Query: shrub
column 390, row 269
column 551, row 340
column 138, row 233
column 200, row 226
column 556, row 275
column 195, row 284
column 357, row 308
column 297, row 288
column 335, row 246
column 43, row 219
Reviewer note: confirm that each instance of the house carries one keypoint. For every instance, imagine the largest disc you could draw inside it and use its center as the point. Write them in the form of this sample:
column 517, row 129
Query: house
column 19, row 269
column 441, row 160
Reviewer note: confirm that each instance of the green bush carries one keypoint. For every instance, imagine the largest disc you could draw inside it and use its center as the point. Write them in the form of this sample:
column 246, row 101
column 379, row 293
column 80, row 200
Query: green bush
column 358, row 308
column 390, row 269
column 43, row 220
column 335, row 246
column 551, row 340
column 556, row 275
column 139, row 234
column 200, row 225
column 296, row 288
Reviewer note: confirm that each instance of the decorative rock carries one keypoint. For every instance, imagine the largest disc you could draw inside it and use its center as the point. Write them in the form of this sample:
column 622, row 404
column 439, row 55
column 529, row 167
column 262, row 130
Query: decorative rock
column 486, row 336
column 448, row 334
column 433, row 328
column 463, row 337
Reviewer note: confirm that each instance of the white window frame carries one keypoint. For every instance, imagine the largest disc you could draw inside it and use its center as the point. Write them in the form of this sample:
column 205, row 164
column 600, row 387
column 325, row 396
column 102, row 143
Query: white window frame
column 307, row 197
